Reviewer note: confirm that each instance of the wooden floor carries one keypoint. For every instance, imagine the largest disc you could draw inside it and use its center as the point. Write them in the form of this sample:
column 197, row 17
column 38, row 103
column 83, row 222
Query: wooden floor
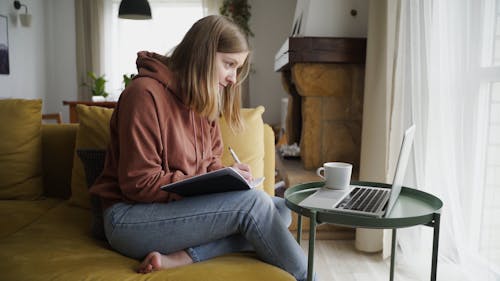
column 339, row 260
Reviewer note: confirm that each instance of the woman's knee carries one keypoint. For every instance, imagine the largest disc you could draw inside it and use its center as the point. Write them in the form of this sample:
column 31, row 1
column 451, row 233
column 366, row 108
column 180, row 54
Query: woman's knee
column 265, row 205
column 259, row 200
column 285, row 213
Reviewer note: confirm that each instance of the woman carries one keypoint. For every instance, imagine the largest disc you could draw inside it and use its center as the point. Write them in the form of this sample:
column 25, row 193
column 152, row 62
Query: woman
column 165, row 129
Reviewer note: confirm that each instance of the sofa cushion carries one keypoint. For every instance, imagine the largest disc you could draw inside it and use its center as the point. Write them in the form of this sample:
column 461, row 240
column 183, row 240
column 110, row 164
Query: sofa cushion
column 20, row 149
column 93, row 164
column 58, row 146
column 269, row 160
column 59, row 247
column 93, row 133
column 17, row 214
column 249, row 144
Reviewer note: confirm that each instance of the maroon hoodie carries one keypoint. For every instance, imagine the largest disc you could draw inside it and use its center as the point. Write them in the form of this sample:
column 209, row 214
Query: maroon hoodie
column 155, row 139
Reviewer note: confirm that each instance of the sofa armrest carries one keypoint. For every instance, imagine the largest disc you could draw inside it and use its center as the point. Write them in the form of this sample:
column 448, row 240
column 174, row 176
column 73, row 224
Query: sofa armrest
column 58, row 145
column 269, row 159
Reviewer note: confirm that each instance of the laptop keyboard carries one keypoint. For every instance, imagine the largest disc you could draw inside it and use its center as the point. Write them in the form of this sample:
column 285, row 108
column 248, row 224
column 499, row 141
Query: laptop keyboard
column 363, row 199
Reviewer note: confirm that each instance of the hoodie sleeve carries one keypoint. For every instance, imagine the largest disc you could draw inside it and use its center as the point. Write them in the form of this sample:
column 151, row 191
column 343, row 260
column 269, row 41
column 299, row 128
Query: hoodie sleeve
column 217, row 147
column 140, row 170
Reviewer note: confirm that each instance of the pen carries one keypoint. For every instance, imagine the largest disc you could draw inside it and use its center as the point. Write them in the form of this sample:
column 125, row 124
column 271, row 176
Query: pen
column 234, row 155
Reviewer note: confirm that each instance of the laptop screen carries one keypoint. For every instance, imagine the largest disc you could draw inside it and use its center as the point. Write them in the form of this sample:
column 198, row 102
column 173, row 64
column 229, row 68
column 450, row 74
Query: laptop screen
column 399, row 175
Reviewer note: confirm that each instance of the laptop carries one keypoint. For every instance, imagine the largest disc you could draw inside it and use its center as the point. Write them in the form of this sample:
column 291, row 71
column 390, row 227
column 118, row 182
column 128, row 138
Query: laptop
column 365, row 200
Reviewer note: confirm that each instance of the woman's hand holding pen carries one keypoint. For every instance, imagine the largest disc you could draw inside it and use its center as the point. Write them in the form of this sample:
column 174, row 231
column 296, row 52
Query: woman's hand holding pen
column 244, row 170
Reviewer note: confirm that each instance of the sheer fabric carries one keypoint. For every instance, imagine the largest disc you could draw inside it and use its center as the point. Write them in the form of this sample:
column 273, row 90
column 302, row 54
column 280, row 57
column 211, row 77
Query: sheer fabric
column 435, row 83
column 89, row 28
column 211, row 7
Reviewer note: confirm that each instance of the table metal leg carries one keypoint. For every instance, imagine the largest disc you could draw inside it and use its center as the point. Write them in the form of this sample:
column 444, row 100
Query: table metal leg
column 435, row 246
column 393, row 254
column 312, row 239
column 299, row 228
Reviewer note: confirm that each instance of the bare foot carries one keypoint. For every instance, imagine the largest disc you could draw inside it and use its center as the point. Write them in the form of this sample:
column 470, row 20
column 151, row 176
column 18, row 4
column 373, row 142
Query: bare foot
column 155, row 261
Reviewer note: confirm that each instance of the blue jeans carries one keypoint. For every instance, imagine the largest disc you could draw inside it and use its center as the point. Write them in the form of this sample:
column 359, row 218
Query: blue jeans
column 208, row 226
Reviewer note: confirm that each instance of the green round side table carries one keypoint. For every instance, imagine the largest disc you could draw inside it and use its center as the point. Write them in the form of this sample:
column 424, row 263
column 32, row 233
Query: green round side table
column 413, row 207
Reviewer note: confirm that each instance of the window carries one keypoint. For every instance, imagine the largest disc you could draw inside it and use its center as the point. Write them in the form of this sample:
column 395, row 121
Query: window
column 490, row 228
column 171, row 20
column 496, row 55
column 490, row 85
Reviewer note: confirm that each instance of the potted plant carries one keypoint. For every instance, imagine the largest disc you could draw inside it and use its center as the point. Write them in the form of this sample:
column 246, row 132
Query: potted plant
column 127, row 78
column 97, row 87
column 239, row 11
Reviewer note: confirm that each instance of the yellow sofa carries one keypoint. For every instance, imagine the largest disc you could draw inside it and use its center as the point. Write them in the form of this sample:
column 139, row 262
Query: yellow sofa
column 49, row 238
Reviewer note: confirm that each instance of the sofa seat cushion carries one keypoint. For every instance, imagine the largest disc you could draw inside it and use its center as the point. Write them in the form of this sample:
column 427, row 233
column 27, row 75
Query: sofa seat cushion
column 59, row 246
column 20, row 213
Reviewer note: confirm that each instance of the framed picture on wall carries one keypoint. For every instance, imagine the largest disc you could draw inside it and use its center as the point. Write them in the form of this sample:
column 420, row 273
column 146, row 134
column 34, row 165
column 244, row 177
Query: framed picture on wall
column 4, row 46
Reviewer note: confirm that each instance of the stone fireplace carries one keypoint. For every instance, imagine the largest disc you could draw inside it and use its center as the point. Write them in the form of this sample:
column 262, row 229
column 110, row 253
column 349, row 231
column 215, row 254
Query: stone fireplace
column 324, row 78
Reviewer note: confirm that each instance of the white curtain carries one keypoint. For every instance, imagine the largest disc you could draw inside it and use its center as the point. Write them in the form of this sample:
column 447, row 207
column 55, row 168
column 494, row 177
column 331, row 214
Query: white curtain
column 434, row 83
column 211, row 7
column 89, row 25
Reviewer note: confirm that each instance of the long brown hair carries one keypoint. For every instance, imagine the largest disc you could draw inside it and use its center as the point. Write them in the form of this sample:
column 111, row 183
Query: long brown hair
column 193, row 60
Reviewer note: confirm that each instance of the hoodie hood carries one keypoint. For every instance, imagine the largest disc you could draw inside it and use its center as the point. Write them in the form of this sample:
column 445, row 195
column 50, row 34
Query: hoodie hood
column 154, row 66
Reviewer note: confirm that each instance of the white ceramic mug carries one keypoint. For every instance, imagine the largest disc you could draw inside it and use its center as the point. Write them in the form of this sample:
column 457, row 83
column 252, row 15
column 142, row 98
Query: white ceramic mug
column 337, row 175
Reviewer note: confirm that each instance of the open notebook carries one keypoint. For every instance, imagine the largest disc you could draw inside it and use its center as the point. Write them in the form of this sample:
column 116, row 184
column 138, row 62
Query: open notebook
column 223, row 180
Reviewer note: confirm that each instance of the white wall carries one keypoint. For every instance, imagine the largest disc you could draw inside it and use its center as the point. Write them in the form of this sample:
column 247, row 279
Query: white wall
column 42, row 57
column 61, row 56
column 271, row 22
column 26, row 53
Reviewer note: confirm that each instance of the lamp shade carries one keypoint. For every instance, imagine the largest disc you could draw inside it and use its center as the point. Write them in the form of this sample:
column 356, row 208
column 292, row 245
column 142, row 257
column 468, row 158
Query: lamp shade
column 25, row 19
column 134, row 10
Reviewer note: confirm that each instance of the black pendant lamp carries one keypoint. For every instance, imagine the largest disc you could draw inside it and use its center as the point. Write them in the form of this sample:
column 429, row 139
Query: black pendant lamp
column 134, row 10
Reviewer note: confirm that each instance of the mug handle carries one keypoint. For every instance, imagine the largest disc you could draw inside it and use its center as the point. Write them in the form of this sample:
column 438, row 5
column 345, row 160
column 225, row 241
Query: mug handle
column 318, row 172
